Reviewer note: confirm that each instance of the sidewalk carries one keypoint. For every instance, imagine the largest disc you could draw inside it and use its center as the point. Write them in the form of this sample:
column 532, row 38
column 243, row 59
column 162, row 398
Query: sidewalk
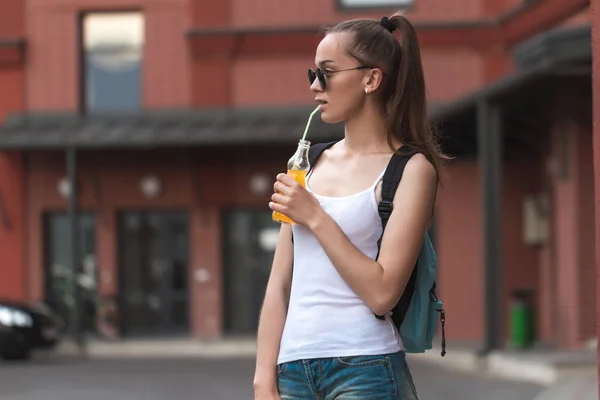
column 581, row 387
column 568, row 375
column 159, row 348
column 544, row 367
column 565, row 373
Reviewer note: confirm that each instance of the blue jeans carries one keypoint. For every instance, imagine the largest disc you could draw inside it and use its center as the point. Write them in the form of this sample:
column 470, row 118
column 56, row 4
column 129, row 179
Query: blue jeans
column 382, row 377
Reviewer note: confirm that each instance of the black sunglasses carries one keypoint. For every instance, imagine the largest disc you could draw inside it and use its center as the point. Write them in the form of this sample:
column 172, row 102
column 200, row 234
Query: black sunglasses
column 320, row 74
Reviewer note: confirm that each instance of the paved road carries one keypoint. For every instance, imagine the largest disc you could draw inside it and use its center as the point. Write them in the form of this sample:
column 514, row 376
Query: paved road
column 194, row 379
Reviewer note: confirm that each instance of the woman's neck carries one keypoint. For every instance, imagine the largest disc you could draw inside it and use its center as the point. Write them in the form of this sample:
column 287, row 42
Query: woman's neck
column 366, row 133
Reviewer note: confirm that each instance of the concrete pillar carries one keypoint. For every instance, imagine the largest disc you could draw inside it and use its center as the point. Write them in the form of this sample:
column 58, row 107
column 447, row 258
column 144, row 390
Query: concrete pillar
column 573, row 235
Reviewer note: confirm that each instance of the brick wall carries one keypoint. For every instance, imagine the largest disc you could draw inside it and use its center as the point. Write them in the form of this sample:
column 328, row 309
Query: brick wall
column 53, row 73
column 12, row 252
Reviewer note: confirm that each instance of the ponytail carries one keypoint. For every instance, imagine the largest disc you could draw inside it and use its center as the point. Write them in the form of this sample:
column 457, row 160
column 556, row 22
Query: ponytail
column 406, row 108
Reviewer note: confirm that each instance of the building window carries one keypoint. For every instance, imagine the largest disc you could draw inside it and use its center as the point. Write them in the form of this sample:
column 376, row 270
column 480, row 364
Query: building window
column 113, row 45
column 374, row 3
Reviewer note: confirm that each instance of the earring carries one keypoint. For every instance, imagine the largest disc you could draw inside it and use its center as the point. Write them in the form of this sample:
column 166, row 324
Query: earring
column 366, row 90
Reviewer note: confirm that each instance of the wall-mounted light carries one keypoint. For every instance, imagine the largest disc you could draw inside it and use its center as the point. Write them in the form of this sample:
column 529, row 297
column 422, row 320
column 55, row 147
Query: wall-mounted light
column 260, row 184
column 202, row 275
column 63, row 188
column 150, row 186
column 268, row 239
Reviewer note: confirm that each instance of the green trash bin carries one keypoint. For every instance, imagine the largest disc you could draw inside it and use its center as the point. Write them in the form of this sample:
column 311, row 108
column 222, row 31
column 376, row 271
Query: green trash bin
column 521, row 319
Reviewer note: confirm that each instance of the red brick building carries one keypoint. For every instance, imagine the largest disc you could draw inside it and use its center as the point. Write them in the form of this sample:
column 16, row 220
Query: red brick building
column 175, row 115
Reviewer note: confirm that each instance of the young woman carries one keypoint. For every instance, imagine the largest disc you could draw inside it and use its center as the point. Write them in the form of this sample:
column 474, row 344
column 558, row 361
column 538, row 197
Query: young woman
column 318, row 336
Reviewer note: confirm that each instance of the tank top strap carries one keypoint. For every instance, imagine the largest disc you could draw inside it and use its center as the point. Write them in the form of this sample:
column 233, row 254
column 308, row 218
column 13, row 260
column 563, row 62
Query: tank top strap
column 307, row 186
column 379, row 178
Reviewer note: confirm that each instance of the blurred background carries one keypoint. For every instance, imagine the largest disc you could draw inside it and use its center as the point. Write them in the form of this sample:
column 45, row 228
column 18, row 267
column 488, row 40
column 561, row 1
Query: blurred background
column 139, row 141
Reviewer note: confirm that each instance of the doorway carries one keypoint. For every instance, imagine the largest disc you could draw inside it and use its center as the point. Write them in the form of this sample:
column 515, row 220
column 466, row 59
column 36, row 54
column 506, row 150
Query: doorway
column 250, row 238
column 154, row 265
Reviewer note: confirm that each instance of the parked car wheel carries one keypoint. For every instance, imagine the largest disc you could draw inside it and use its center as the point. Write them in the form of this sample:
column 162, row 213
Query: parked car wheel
column 13, row 345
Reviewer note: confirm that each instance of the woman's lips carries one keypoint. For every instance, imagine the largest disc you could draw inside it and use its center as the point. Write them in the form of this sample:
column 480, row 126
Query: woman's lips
column 322, row 104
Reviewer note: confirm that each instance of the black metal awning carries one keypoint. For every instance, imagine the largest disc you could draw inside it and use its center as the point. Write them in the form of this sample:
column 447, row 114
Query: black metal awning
column 551, row 56
column 507, row 88
column 523, row 98
column 149, row 129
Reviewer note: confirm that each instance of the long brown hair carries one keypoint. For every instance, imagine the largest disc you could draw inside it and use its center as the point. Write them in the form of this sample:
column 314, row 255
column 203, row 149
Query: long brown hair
column 403, row 86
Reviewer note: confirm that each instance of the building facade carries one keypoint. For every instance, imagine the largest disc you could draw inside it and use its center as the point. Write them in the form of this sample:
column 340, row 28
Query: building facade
column 174, row 116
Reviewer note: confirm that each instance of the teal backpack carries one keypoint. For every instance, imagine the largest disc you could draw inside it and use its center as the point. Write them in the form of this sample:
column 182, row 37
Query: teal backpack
column 416, row 314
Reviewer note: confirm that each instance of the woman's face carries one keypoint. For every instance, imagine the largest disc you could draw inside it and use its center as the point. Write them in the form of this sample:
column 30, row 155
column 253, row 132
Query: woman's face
column 344, row 94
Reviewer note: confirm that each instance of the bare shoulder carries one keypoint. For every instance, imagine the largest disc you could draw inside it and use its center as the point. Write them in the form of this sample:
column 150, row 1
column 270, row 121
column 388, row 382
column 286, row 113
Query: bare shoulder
column 330, row 154
column 421, row 169
column 419, row 180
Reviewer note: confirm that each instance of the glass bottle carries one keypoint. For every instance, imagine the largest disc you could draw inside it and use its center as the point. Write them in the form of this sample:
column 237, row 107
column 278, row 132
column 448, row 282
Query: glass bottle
column 297, row 167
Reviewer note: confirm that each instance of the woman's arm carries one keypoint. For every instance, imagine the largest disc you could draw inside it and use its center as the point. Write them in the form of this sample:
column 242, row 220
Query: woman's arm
column 379, row 283
column 273, row 314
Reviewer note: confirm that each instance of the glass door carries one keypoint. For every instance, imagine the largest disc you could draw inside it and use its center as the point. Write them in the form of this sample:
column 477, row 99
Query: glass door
column 249, row 246
column 153, row 265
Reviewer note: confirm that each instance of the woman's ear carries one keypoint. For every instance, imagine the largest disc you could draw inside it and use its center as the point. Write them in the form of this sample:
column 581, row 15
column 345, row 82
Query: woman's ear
column 373, row 80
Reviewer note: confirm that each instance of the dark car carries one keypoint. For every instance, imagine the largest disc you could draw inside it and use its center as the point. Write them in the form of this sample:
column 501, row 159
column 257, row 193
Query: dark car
column 25, row 327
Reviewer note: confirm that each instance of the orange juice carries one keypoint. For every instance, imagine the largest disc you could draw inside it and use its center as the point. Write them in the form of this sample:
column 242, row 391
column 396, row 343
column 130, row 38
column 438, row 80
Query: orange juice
column 297, row 167
column 300, row 177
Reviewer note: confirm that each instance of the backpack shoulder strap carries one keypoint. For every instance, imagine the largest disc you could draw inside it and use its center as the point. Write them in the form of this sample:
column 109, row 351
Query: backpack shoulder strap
column 315, row 151
column 391, row 180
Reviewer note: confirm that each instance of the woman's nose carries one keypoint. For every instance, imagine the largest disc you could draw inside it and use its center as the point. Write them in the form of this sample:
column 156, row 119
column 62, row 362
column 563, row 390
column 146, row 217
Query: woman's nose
column 316, row 86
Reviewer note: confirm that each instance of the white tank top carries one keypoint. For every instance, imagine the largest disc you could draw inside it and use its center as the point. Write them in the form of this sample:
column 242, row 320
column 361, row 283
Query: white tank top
column 325, row 317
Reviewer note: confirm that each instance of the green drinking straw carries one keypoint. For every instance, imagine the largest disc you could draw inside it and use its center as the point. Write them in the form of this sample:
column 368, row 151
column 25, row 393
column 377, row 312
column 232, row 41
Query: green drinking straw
column 306, row 130
column 308, row 123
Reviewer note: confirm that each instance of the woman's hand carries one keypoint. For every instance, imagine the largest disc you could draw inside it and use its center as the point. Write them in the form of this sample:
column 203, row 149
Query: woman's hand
column 293, row 200
column 266, row 390
column 266, row 394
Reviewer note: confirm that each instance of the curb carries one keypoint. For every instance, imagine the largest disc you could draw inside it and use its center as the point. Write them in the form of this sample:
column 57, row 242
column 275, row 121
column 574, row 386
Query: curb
column 157, row 349
column 464, row 361
column 541, row 369
column 522, row 369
